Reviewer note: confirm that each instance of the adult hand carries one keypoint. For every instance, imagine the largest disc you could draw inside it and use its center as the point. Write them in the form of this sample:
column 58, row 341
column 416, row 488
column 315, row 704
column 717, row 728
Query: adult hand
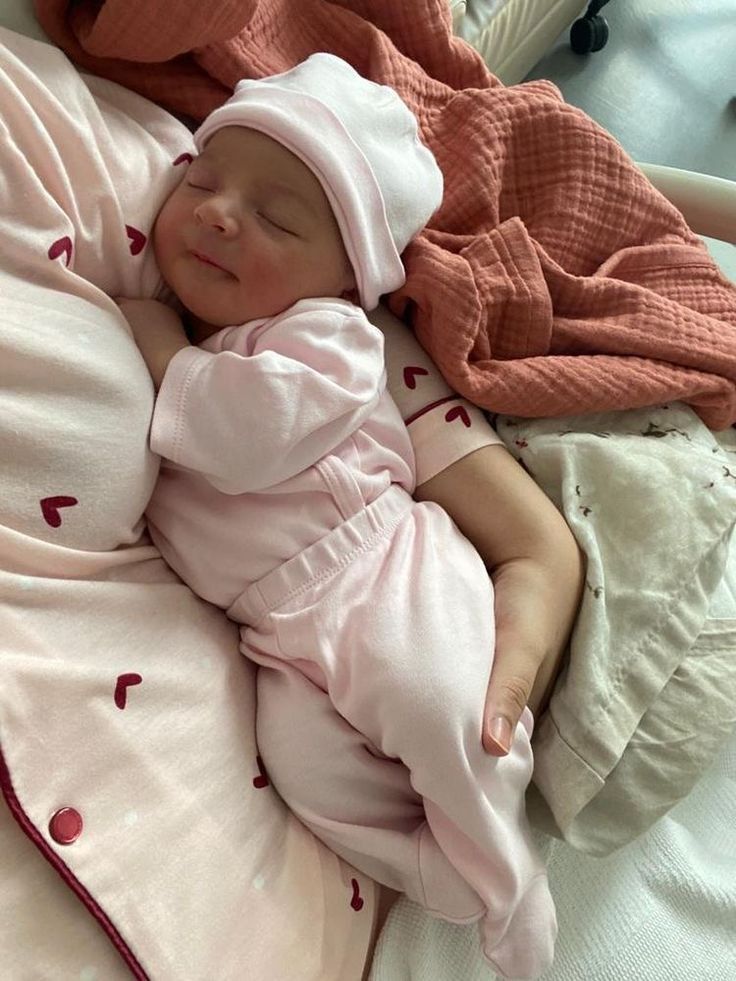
column 537, row 571
column 534, row 609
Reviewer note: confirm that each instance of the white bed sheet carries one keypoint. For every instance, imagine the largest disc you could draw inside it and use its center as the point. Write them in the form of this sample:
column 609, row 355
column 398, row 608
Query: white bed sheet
column 661, row 909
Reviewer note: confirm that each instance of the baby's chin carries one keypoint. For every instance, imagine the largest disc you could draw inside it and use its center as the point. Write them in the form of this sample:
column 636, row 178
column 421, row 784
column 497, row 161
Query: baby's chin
column 204, row 321
column 212, row 312
column 209, row 316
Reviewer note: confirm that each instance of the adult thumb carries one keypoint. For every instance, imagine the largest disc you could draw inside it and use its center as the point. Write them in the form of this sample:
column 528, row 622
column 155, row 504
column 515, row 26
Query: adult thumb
column 508, row 693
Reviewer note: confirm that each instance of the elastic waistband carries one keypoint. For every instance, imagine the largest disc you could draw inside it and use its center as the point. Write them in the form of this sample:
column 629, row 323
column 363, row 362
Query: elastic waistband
column 324, row 558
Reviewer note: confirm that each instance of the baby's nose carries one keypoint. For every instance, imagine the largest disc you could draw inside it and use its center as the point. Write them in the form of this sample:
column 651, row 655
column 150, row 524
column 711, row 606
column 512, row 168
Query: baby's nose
column 217, row 215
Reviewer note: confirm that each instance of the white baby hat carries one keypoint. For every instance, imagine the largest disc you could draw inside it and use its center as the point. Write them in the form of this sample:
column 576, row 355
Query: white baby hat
column 362, row 142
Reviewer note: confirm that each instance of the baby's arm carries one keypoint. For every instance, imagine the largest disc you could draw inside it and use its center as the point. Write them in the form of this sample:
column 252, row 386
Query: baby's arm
column 535, row 563
column 157, row 330
column 271, row 402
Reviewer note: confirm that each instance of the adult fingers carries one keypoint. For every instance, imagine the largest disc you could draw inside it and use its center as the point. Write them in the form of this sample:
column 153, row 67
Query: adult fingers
column 508, row 692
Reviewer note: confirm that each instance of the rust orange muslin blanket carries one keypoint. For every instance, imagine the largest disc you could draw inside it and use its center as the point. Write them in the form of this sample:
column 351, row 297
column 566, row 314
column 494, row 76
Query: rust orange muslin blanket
column 554, row 280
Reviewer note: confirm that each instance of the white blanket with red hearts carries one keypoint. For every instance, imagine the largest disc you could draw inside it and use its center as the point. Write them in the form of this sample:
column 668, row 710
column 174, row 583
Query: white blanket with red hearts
column 139, row 834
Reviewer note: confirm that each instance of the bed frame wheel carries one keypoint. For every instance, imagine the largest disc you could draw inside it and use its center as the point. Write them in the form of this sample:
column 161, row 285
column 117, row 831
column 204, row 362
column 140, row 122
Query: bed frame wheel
column 590, row 33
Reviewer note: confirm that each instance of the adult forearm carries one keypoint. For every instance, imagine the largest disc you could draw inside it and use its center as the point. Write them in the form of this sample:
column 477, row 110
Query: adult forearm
column 498, row 506
column 537, row 571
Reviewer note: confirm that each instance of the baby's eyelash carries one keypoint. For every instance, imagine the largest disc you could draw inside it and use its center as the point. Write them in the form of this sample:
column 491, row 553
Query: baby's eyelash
column 275, row 224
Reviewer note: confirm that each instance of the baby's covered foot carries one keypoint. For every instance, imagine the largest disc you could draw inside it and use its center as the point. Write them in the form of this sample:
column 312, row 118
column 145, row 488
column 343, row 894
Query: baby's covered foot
column 523, row 947
column 445, row 893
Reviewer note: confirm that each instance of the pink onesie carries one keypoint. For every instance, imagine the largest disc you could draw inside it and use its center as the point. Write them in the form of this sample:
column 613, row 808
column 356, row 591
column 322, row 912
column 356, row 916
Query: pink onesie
column 285, row 499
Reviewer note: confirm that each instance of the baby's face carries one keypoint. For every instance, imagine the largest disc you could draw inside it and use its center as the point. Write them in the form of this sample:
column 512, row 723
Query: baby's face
column 248, row 232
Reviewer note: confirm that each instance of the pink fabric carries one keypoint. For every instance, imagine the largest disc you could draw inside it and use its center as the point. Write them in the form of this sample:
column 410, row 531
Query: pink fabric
column 284, row 497
column 241, row 421
column 363, row 614
column 354, row 607
column 554, row 279
column 266, row 433
column 442, row 426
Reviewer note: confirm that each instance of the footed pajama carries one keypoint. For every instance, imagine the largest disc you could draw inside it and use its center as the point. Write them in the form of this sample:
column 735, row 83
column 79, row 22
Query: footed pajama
column 286, row 499
column 384, row 630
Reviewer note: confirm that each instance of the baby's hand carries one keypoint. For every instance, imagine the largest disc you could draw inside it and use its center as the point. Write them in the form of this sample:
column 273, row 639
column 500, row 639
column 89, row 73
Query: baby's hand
column 142, row 315
column 157, row 330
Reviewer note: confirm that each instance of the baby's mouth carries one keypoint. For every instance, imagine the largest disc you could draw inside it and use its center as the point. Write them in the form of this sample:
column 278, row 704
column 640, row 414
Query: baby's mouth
column 202, row 257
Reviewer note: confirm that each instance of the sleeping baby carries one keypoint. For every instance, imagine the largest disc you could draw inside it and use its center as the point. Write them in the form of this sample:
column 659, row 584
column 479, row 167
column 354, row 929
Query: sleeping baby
column 285, row 494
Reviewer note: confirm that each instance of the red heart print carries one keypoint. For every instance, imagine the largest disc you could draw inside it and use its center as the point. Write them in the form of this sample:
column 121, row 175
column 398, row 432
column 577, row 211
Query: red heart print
column 458, row 412
column 357, row 901
column 183, row 158
column 60, row 247
column 410, row 375
column 121, row 687
column 137, row 240
column 50, row 508
column 261, row 781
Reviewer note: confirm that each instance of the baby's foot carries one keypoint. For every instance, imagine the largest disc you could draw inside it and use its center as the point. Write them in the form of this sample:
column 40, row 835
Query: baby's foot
column 525, row 949
column 446, row 894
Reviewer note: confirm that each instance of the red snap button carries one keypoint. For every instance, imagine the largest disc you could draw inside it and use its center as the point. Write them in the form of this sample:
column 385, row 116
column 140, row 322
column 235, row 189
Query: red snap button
column 66, row 825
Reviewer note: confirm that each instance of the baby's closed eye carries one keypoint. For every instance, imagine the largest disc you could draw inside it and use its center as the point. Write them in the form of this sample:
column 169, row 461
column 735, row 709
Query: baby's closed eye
column 277, row 221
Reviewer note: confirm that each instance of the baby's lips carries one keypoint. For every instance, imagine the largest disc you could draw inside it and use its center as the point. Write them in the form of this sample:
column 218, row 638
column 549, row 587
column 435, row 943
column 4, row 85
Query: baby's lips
column 206, row 257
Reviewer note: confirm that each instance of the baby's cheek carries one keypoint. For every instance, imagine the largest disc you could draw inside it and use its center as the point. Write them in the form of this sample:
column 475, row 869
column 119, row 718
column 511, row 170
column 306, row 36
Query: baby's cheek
column 161, row 240
column 270, row 276
column 172, row 217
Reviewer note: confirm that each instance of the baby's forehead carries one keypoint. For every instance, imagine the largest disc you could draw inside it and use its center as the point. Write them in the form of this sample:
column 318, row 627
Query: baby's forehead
column 249, row 146
column 248, row 155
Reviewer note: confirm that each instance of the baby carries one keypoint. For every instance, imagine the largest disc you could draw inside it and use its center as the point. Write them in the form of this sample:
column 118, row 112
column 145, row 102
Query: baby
column 285, row 491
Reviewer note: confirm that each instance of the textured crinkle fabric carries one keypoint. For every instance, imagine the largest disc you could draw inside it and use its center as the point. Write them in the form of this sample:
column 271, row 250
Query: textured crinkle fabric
column 554, row 280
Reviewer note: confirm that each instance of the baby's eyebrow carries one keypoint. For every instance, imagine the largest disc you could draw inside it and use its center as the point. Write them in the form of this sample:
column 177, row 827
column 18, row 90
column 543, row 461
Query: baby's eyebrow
column 199, row 160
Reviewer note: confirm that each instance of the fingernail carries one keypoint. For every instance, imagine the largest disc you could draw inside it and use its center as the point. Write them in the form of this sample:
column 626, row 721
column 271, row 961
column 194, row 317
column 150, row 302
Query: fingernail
column 500, row 732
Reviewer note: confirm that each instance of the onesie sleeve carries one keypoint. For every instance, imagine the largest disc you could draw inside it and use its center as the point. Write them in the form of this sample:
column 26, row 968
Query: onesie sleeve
column 263, row 410
column 443, row 426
